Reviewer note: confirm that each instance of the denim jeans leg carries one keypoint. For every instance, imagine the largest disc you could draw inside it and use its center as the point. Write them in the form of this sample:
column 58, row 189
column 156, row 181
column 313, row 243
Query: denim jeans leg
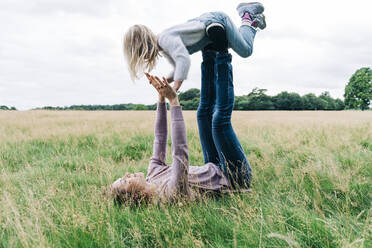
column 240, row 40
column 206, row 107
column 233, row 161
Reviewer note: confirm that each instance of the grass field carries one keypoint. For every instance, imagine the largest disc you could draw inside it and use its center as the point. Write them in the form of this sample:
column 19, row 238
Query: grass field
column 312, row 182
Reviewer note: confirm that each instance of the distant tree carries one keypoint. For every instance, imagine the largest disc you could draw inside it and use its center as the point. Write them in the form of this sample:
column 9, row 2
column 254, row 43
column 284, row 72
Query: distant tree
column 258, row 100
column 3, row 107
column 331, row 103
column 140, row 107
column 288, row 101
column 48, row 108
column 321, row 104
column 310, row 101
column 358, row 92
column 151, row 107
column 190, row 104
column 241, row 103
column 340, row 105
column 189, row 95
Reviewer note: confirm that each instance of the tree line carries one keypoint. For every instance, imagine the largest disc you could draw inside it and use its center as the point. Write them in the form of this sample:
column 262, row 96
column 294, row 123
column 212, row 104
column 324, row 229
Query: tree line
column 3, row 107
column 257, row 99
column 358, row 95
column 116, row 107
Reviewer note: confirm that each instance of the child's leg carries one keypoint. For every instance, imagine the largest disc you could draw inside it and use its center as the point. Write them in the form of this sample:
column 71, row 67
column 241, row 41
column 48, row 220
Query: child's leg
column 240, row 40
column 206, row 106
column 232, row 159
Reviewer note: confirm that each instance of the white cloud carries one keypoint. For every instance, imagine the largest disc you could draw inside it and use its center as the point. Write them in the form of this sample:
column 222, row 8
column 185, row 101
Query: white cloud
column 66, row 52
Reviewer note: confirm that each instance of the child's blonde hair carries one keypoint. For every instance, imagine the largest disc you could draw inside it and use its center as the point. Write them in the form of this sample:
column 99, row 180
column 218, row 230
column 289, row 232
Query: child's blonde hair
column 140, row 50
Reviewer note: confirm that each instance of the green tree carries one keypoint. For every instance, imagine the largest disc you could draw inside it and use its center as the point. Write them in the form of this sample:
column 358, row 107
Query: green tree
column 189, row 95
column 288, row 101
column 310, row 101
column 241, row 103
column 331, row 104
column 190, row 104
column 358, row 92
column 340, row 105
column 258, row 100
column 140, row 107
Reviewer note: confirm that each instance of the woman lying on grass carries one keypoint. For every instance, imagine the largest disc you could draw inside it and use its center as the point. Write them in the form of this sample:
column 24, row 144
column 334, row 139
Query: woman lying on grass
column 226, row 169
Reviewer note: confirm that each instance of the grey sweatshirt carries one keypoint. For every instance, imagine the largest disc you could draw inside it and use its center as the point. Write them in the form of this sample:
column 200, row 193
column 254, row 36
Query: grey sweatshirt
column 173, row 42
column 179, row 179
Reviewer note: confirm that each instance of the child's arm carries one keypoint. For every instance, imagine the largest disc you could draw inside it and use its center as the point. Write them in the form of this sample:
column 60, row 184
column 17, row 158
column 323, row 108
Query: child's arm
column 178, row 56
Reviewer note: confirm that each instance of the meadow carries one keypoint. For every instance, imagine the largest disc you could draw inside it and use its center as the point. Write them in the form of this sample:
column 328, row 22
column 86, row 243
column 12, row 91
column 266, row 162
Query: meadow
column 311, row 188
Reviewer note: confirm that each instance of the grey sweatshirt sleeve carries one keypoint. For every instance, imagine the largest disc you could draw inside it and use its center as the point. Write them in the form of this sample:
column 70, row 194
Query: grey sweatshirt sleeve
column 170, row 60
column 173, row 46
column 178, row 184
column 161, row 135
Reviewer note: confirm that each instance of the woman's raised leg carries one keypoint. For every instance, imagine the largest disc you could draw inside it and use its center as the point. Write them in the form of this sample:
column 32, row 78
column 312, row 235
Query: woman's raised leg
column 233, row 161
column 206, row 106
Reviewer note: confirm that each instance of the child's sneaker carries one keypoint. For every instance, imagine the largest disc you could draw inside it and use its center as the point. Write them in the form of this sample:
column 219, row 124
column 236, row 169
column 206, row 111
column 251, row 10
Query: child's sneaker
column 259, row 21
column 251, row 14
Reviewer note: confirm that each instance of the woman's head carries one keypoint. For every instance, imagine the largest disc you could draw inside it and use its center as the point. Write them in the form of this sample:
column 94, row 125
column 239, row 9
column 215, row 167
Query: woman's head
column 132, row 189
column 140, row 50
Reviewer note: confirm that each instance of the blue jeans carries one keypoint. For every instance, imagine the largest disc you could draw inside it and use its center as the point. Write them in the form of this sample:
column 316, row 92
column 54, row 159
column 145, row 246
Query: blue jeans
column 239, row 39
column 219, row 142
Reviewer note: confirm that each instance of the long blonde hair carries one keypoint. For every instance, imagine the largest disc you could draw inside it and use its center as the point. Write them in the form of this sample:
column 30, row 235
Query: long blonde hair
column 134, row 193
column 140, row 50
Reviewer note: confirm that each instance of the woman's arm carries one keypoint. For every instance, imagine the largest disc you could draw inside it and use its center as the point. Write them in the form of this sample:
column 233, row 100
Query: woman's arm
column 161, row 134
column 161, row 130
column 178, row 183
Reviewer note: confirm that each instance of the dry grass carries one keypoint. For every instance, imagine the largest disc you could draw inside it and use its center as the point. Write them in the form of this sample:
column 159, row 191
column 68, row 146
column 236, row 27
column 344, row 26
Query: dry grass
column 312, row 182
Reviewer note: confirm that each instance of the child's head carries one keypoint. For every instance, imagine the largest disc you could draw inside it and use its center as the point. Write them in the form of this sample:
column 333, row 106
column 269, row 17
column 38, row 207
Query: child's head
column 140, row 50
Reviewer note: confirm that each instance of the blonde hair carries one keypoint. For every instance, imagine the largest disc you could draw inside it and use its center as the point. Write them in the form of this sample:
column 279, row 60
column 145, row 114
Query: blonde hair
column 135, row 193
column 140, row 50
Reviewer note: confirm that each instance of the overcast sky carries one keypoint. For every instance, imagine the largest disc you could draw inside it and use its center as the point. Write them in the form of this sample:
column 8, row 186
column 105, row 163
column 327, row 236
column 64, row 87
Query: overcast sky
column 65, row 52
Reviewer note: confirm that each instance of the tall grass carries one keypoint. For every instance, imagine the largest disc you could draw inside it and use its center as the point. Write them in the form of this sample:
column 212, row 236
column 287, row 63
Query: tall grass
column 312, row 182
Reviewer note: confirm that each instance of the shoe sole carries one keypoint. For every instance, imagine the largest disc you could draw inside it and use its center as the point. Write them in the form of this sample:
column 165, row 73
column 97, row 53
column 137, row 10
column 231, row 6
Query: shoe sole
column 245, row 4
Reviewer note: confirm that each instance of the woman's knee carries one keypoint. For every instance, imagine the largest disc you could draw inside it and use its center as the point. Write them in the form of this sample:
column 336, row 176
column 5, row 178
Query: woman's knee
column 221, row 119
column 204, row 112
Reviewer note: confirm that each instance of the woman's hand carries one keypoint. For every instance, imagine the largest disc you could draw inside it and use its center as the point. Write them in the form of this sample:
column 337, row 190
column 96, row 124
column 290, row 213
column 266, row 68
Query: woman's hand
column 161, row 98
column 177, row 83
column 165, row 90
